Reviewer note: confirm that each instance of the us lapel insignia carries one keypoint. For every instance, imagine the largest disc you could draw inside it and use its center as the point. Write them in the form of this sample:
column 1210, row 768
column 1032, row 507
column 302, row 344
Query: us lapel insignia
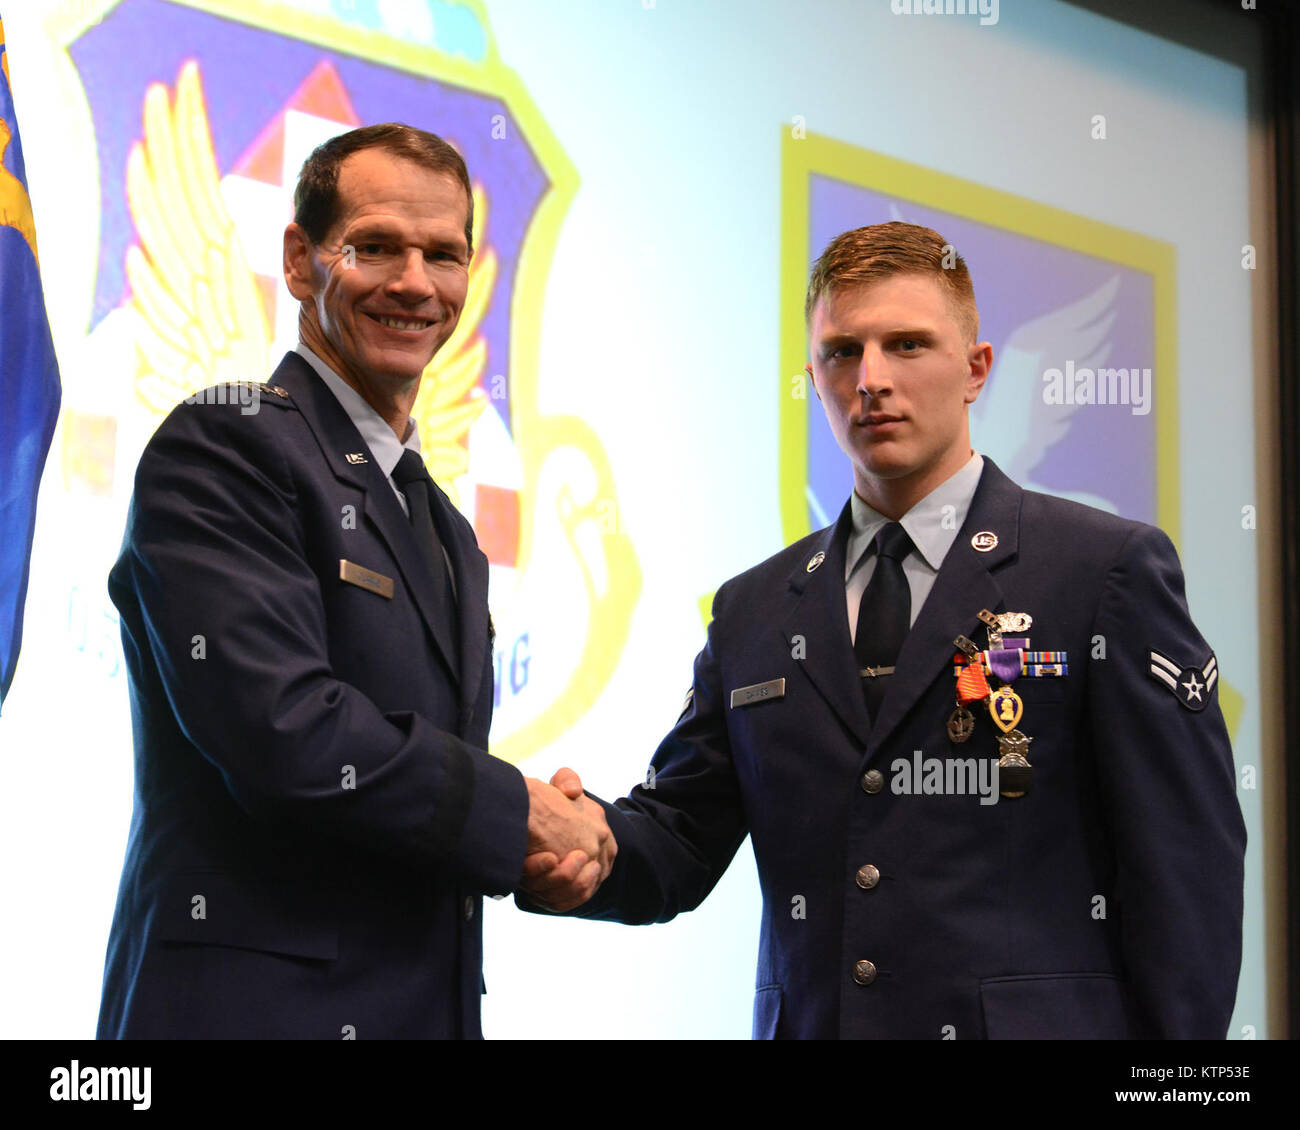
column 817, row 559
column 1189, row 685
column 355, row 458
column 984, row 541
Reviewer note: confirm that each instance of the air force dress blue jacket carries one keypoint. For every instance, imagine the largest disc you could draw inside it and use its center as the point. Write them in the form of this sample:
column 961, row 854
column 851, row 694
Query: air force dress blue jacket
column 897, row 901
column 315, row 816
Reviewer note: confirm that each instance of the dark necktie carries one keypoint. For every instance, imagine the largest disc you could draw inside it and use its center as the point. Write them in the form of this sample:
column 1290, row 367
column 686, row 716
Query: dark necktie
column 425, row 502
column 884, row 615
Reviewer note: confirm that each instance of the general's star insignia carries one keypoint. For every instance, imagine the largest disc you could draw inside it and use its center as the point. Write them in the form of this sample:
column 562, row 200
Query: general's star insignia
column 1189, row 685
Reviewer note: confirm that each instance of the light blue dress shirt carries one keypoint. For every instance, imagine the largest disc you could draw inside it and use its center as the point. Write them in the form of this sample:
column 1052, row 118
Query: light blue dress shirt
column 374, row 429
column 932, row 524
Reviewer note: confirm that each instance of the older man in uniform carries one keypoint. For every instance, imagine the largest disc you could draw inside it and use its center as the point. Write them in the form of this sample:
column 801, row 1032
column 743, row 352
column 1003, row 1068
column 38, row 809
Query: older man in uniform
column 971, row 729
column 306, row 628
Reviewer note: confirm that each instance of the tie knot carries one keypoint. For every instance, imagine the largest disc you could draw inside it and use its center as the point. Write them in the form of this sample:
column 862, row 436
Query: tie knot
column 410, row 469
column 892, row 541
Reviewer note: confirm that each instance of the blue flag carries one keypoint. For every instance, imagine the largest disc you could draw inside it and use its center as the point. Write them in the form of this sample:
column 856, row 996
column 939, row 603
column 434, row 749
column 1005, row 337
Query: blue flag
column 29, row 380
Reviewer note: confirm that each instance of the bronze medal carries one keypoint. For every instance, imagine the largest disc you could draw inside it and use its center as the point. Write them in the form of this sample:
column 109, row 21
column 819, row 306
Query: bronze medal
column 961, row 724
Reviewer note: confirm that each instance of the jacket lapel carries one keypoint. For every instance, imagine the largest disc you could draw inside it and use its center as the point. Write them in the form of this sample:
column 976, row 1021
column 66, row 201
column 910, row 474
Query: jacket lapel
column 816, row 627
column 338, row 437
column 471, row 568
column 964, row 586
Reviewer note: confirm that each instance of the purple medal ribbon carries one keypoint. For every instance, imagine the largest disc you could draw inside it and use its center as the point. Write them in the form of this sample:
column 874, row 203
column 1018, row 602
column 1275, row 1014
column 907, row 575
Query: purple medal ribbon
column 1005, row 662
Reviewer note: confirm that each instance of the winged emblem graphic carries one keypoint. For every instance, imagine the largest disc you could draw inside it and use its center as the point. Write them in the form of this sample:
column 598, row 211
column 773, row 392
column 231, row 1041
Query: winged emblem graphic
column 1011, row 421
column 1015, row 426
column 538, row 488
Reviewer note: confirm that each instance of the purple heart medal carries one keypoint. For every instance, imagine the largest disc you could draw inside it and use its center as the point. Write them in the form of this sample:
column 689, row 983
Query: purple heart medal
column 1005, row 661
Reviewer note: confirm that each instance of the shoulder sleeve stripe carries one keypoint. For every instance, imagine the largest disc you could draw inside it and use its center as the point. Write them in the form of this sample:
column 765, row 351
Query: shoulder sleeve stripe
column 1164, row 676
column 1172, row 668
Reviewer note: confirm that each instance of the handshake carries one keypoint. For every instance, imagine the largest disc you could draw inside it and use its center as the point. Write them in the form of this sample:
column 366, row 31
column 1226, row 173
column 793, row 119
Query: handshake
column 570, row 847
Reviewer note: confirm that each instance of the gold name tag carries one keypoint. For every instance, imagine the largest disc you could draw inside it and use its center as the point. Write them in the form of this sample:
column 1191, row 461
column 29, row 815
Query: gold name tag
column 759, row 692
column 368, row 579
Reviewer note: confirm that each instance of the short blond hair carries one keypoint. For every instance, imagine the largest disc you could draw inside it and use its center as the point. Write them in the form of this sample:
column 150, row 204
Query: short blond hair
column 867, row 255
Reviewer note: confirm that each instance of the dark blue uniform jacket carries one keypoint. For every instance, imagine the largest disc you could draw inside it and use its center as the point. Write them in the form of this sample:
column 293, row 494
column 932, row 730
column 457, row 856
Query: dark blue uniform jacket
column 1106, row 902
column 315, row 814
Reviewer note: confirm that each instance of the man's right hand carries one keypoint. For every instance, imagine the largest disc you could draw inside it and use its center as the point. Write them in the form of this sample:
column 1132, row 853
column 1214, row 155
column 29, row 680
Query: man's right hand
column 570, row 847
column 557, row 824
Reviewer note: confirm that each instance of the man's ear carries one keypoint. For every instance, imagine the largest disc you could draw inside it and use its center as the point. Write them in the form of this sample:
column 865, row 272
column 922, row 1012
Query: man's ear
column 812, row 380
column 298, row 263
column 980, row 359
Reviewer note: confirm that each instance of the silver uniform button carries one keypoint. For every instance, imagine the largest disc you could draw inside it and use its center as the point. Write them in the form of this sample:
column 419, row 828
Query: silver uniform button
column 873, row 780
column 868, row 876
column 864, row 972
column 469, row 908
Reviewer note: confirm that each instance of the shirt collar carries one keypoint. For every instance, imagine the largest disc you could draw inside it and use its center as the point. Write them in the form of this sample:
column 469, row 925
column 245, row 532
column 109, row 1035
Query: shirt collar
column 925, row 525
column 374, row 429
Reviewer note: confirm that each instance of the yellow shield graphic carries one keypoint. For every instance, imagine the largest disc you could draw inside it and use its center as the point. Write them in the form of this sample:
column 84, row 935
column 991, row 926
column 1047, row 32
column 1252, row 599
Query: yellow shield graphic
column 195, row 186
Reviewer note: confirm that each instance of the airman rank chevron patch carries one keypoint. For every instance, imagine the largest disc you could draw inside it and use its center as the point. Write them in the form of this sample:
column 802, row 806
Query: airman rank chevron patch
column 1189, row 685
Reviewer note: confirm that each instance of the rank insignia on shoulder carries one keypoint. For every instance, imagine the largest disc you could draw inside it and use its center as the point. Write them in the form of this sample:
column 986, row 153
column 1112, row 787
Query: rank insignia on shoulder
column 246, row 394
column 1191, row 686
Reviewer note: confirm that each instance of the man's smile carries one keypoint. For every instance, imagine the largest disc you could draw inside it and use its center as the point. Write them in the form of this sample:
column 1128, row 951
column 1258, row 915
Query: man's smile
column 402, row 323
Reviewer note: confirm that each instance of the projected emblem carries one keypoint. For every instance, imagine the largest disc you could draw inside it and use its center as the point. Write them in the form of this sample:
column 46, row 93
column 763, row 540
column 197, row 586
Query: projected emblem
column 197, row 166
column 1080, row 316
